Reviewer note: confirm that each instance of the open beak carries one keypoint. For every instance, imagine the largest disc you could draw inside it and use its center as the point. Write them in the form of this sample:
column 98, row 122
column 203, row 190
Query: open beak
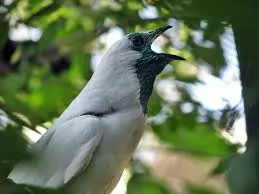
column 154, row 34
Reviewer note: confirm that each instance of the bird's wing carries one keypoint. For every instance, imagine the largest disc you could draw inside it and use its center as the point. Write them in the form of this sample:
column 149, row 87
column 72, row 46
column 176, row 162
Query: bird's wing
column 61, row 153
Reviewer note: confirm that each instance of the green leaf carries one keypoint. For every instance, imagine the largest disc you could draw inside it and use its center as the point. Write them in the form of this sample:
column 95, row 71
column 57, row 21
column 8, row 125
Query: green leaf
column 191, row 189
column 81, row 66
column 12, row 148
column 155, row 104
column 143, row 183
column 186, row 134
column 4, row 31
column 222, row 167
column 43, row 12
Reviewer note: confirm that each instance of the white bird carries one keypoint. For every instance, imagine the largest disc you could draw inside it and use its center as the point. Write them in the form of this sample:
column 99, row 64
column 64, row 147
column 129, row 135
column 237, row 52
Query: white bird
column 89, row 145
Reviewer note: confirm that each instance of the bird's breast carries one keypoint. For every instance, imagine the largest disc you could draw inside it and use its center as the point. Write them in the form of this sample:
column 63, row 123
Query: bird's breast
column 124, row 132
column 120, row 139
column 119, row 142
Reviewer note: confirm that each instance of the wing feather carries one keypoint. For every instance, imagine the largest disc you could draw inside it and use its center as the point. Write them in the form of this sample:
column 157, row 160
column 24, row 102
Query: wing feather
column 61, row 153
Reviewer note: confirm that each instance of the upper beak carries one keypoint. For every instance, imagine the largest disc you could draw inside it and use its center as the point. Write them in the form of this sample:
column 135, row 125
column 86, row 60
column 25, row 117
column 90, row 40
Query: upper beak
column 155, row 33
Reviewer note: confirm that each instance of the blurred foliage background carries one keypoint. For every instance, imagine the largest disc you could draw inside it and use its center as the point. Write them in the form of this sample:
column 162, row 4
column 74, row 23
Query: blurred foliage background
column 48, row 50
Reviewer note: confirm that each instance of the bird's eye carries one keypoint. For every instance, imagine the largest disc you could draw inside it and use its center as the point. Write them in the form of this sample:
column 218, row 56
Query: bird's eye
column 137, row 41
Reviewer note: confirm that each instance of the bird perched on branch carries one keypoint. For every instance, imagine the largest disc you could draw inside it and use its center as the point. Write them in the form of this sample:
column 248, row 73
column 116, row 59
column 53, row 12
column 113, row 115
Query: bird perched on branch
column 90, row 144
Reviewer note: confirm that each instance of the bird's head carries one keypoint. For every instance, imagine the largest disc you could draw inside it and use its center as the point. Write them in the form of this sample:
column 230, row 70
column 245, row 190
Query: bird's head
column 142, row 42
column 137, row 45
column 134, row 52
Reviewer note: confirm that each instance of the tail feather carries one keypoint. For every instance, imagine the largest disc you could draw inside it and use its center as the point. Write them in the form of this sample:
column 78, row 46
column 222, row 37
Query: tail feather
column 9, row 187
column 23, row 173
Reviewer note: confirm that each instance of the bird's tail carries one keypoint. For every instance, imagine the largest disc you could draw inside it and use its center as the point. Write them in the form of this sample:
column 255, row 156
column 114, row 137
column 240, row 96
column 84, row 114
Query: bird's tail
column 9, row 187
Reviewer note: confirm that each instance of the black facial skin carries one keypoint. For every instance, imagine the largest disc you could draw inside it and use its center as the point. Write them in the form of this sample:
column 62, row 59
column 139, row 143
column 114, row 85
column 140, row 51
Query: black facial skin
column 150, row 64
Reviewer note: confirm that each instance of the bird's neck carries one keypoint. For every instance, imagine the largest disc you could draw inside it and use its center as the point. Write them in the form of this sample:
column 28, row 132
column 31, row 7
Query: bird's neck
column 146, row 89
column 122, row 89
column 146, row 78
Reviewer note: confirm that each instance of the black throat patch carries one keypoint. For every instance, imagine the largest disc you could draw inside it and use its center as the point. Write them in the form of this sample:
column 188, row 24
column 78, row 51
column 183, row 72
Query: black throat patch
column 147, row 67
column 146, row 75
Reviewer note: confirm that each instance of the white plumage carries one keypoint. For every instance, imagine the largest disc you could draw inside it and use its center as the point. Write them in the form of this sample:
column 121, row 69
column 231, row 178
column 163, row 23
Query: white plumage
column 89, row 145
column 104, row 144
